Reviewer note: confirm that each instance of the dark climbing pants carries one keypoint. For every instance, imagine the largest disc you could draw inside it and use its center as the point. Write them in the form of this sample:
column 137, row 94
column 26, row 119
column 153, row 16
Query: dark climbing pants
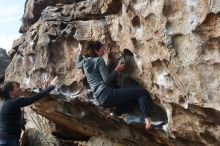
column 111, row 97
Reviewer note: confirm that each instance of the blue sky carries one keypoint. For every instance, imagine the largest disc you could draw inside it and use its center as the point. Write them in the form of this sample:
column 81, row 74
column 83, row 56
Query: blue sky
column 11, row 12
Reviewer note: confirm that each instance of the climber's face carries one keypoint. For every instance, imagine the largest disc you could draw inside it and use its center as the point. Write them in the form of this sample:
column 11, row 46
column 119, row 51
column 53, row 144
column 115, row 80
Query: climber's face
column 16, row 91
column 100, row 52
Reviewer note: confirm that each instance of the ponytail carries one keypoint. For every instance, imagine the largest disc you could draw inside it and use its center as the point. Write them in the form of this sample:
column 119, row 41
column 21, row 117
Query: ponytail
column 0, row 93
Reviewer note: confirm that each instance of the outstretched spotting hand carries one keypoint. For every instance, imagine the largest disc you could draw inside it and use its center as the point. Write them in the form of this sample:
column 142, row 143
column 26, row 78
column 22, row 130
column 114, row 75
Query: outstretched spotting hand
column 53, row 82
column 46, row 84
column 80, row 49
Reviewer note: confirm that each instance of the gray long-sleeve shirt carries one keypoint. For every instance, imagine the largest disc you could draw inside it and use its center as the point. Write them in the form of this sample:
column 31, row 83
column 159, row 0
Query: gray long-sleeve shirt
column 10, row 112
column 96, row 73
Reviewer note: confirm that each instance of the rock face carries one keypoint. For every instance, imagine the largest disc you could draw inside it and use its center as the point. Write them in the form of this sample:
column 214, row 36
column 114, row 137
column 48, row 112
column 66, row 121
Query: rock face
column 175, row 54
column 4, row 62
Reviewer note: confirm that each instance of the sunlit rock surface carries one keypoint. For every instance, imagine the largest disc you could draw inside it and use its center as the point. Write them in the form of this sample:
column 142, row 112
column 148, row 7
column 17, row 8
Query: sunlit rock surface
column 175, row 55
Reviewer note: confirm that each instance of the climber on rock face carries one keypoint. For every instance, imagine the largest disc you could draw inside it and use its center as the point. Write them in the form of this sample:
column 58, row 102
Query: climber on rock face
column 10, row 110
column 98, row 77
